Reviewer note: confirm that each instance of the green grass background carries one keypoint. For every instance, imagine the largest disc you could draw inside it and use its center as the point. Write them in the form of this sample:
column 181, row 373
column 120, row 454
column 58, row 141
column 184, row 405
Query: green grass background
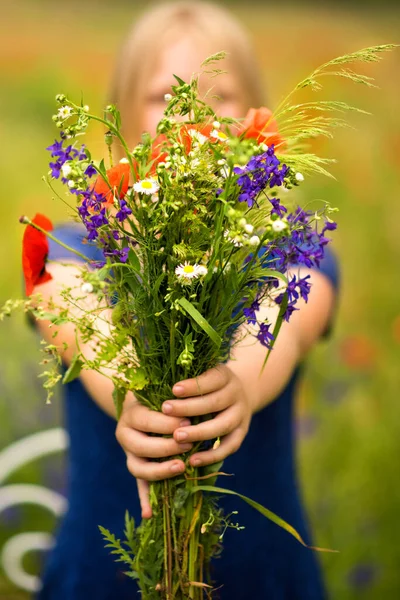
column 348, row 409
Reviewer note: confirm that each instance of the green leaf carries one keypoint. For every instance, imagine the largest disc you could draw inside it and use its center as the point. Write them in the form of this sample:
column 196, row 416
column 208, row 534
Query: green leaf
column 261, row 509
column 200, row 320
column 209, row 469
column 138, row 379
column 55, row 319
column 134, row 261
column 118, row 396
column 179, row 80
column 73, row 370
column 102, row 168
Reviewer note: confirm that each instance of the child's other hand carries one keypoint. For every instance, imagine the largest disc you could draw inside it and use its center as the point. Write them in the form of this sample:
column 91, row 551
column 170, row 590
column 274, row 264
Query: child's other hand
column 220, row 391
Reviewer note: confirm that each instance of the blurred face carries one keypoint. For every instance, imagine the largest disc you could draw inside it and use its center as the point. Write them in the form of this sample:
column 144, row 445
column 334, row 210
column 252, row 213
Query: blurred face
column 183, row 58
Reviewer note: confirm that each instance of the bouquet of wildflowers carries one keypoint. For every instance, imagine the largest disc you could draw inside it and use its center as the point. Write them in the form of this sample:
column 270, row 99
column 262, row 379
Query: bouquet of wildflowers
column 195, row 236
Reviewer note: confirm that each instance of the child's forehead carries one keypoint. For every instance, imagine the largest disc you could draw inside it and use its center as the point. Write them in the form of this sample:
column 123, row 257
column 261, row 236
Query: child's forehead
column 183, row 57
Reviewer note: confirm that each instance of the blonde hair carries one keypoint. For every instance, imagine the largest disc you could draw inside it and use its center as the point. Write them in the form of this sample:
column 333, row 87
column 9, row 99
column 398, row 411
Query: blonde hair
column 146, row 39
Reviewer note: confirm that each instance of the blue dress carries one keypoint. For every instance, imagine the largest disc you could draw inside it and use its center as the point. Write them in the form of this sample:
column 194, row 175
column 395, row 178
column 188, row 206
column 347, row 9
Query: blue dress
column 260, row 562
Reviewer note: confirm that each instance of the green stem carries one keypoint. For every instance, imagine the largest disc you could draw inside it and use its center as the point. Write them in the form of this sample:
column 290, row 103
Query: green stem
column 167, row 542
column 27, row 221
column 116, row 132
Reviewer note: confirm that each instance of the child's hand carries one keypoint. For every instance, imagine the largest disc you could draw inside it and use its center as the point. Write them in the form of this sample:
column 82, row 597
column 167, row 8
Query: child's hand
column 133, row 426
column 220, row 391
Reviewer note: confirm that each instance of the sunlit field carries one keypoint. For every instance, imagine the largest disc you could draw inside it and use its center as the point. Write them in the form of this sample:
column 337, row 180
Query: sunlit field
column 348, row 419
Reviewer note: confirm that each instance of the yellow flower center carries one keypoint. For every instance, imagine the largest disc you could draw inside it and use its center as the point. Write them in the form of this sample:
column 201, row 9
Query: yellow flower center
column 147, row 185
column 188, row 269
column 222, row 135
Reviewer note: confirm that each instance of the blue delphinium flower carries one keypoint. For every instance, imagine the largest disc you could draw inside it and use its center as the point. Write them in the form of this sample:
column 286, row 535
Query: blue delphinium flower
column 250, row 313
column 264, row 336
column 261, row 172
column 123, row 212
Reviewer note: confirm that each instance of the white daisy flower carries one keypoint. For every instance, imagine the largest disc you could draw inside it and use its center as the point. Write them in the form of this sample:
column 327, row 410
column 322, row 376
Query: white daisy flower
column 188, row 271
column 218, row 135
column 254, row 240
column 66, row 169
column 124, row 161
column 237, row 240
column 64, row 112
column 202, row 270
column 167, row 97
column 299, row 177
column 86, row 288
column 147, row 186
column 278, row 225
column 196, row 135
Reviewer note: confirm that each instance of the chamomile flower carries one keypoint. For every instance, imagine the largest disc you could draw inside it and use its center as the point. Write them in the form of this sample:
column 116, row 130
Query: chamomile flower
column 254, row 240
column 188, row 271
column 64, row 112
column 236, row 240
column 197, row 136
column 66, row 169
column 146, row 186
column 86, row 288
column 278, row 225
column 218, row 135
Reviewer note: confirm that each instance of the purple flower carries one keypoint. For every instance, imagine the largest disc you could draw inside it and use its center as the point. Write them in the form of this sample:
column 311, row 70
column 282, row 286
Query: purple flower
column 123, row 212
column 261, row 171
column 250, row 313
column 264, row 336
column 295, row 289
column 56, row 148
column 90, row 170
column 55, row 169
column 278, row 209
column 120, row 254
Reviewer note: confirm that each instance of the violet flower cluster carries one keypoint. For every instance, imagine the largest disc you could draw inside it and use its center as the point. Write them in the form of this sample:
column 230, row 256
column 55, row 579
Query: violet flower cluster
column 91, row 207
column 261, row 172
column 303, row 246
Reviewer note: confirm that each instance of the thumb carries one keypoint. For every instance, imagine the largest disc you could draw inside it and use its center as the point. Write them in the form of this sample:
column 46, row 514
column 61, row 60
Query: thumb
column 144, row 497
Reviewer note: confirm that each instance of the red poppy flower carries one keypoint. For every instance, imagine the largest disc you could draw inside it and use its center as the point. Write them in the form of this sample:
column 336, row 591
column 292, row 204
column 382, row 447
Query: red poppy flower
column 117, row 176
column 259, row 124
column 35, row 248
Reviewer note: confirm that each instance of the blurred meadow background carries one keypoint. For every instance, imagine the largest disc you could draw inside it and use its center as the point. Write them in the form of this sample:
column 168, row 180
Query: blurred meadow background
column 348, row 420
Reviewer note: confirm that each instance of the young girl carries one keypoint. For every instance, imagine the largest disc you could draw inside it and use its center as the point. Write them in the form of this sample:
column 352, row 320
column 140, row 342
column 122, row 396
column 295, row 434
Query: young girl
column 254, row 414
